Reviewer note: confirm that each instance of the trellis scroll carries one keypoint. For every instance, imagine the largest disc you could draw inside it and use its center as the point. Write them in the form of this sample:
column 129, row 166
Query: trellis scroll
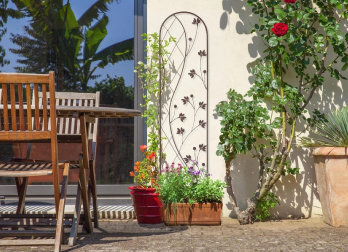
column 184, row 91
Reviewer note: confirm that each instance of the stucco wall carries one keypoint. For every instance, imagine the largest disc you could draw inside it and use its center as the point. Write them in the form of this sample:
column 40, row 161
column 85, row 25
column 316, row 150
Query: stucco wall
column 231, row 50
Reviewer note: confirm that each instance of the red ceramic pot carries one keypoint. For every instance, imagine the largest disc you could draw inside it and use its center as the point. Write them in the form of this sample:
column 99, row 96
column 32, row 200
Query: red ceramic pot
column 147, row 205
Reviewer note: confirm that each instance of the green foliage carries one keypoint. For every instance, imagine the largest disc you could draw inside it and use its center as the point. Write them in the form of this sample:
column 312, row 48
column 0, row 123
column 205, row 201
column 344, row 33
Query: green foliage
column 57, row 40
column 332, row 130
column 208, row 190
column 242, row 123
column 149, row 73
column 263, row 121
column 5, row 12
column 113, row 91
column 265, row 205
column 187, row 185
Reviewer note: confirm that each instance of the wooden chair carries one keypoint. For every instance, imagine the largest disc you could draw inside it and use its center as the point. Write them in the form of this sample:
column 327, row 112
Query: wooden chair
column 16, row 125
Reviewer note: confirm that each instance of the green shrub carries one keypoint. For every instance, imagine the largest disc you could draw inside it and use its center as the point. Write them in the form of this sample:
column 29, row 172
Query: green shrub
column 188, row 185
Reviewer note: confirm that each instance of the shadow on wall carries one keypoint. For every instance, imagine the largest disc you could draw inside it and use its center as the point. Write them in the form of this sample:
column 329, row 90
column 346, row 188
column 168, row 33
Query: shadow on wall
column 296, row 193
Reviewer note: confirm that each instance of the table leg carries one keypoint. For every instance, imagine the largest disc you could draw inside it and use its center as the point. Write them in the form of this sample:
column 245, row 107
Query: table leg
column 83, row 180
column 93, row 186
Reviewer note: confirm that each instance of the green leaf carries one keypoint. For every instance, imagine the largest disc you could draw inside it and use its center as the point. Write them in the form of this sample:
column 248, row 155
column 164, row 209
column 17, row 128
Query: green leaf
column 273, row 41
column 114, row 53
column 291, row 38
column 344, row 67
column 280, row 13
column 94, row 36
column 93, row 12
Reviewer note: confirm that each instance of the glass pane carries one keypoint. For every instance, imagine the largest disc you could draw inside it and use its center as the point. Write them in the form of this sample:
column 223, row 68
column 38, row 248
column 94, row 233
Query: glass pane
column 90, row 50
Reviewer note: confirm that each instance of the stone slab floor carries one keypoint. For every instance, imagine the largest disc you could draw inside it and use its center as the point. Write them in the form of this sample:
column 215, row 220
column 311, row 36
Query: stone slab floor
column 286, row 235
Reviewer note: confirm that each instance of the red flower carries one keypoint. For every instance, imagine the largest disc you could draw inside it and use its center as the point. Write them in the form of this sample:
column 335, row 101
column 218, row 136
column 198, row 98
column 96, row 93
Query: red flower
column 143, row 148
column 289, row 1
column 280, row 29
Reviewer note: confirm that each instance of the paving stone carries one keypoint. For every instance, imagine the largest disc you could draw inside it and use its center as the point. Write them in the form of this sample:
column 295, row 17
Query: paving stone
column 285, row 235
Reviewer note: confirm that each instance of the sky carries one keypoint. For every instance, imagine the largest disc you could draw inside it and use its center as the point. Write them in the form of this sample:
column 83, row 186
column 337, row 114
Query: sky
column 120, row 27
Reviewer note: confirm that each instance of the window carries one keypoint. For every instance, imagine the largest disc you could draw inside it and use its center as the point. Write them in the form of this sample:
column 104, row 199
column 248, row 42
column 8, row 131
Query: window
column 89, row 52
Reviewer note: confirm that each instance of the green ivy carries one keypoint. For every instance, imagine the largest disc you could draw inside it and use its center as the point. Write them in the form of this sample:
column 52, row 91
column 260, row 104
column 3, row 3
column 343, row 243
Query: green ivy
column 264, row 206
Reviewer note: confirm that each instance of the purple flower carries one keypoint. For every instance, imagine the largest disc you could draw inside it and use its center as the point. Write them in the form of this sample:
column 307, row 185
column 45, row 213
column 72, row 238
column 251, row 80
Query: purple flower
column 196, row 173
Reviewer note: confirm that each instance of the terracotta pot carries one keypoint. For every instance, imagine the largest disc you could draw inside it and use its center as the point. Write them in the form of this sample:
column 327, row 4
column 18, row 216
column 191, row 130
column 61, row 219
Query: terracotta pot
column 147, row 205
column 195, row 214
column 331, row 169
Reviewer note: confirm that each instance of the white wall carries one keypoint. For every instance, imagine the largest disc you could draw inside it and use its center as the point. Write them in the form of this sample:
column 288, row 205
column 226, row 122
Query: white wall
column 231, row 50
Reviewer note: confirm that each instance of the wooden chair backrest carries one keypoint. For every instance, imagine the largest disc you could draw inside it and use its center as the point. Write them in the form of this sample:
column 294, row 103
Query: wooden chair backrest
column 71, row 126
column 18, row 120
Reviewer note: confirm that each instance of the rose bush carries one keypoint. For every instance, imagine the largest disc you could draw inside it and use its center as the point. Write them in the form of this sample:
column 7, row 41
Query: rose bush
column 299, row 37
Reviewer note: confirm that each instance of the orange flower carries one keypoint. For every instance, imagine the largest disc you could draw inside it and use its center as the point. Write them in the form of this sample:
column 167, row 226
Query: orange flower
column 149, row 168
column 142, row 176
column 153, row 181
column 152, row 156
column 131, row 174
column 137, row 163
column 143, row 148
column 136, row 168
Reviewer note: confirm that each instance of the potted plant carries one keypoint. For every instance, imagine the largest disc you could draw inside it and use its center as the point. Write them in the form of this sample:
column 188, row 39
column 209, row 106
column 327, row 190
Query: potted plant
column 190, row 196
column 330, row 142
column 148, row 207
column 146, row 202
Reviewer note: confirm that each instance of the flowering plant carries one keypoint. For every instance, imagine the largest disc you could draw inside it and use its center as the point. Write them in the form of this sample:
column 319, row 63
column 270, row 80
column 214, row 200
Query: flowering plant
column 181, row 184
column 306, row 46
column 145, row 172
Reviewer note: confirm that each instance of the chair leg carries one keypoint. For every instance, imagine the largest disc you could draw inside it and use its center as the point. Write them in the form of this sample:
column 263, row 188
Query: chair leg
column 76, row 220
column 60, row 214
column 22, row 185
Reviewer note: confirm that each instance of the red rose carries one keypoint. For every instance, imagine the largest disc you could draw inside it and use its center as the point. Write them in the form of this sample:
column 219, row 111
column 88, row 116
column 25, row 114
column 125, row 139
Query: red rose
column 280, row 29
column 289, row 1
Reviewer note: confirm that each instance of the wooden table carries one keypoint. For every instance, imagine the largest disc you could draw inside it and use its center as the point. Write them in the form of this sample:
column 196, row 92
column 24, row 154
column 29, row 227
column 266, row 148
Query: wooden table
column 86, row 115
